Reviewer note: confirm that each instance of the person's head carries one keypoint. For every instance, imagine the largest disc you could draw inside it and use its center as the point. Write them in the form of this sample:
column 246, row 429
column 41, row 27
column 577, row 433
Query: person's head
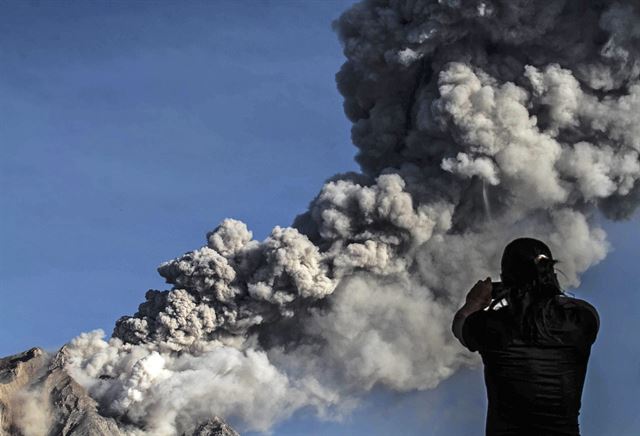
column 528, row 273
column 528, row 263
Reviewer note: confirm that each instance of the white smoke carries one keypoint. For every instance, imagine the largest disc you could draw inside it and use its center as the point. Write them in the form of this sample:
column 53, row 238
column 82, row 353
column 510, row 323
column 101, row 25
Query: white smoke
column 33, row 412
column 528, row 108
column 170, row 393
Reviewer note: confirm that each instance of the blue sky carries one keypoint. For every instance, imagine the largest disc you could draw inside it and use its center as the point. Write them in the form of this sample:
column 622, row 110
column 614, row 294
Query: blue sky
column 131, row 129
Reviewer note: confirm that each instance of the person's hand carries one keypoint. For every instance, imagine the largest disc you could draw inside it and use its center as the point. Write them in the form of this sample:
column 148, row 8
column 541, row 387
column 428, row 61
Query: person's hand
column 480, row 294
column 478, row 298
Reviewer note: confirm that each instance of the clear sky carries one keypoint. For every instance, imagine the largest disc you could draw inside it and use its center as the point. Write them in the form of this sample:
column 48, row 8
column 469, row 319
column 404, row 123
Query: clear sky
column 128, row 130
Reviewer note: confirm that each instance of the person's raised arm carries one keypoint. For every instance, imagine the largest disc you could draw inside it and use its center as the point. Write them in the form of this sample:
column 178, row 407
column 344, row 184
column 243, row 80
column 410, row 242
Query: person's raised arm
column 477, row 299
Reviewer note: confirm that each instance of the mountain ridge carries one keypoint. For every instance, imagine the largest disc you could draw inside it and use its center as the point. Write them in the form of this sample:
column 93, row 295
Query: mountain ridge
column 39, row 397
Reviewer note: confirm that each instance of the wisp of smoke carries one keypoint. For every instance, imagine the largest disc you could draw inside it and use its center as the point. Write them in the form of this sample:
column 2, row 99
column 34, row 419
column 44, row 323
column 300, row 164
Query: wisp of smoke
column 476, row 122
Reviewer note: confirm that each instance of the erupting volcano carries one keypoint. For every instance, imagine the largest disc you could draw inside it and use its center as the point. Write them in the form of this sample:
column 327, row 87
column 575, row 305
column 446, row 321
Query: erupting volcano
column 476, row 122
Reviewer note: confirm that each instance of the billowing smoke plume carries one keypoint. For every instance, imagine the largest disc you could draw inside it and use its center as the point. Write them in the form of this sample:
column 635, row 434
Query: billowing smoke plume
column 476, row 122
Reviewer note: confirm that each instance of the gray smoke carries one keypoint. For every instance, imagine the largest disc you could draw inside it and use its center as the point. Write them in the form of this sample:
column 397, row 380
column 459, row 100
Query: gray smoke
column 476, row 122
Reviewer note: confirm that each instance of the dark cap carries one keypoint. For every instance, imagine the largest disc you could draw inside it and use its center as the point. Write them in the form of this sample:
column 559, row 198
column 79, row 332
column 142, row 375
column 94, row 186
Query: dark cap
column 520, row 259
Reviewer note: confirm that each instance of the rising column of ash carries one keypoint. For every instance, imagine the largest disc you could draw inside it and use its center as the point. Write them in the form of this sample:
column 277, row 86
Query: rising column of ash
column 476, row 122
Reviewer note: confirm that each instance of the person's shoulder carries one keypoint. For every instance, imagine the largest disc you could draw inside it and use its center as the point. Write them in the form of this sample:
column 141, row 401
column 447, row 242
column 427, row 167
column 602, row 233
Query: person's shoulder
column 579, row 311
column 571, row 303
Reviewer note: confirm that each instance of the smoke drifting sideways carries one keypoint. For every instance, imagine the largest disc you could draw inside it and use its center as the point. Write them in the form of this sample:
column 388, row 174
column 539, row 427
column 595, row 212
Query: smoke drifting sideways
column 476, row 122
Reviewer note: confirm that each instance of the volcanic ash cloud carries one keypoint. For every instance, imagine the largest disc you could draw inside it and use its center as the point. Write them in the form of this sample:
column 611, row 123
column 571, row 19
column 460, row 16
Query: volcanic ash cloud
column 476, row 122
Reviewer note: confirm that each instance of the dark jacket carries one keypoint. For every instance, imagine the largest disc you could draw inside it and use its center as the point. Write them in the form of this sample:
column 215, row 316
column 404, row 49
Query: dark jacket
column 534, row 388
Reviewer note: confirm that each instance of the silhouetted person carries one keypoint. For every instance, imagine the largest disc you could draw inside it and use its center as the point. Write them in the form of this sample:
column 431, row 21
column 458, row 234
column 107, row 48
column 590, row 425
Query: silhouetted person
column 535, row 348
